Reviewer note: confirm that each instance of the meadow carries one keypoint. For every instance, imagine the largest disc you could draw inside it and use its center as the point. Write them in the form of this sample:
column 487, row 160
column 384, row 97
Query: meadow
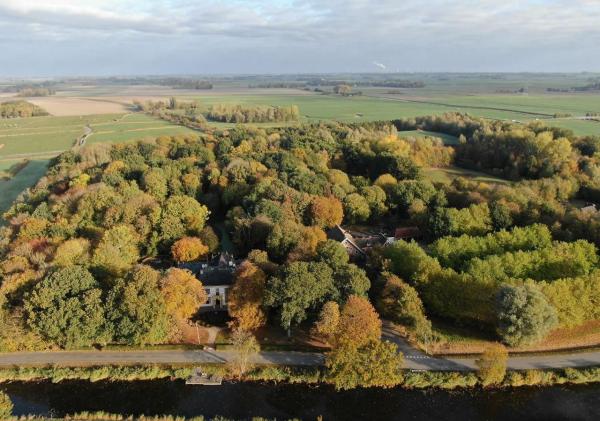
column 48, row 136
column 24, row 179
column 375, row 105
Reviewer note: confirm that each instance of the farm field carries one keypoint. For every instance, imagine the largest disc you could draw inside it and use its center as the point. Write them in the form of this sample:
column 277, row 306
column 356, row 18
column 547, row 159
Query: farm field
column 66, row 106
column 317, row 107
column 24, row 179
column 47, row 136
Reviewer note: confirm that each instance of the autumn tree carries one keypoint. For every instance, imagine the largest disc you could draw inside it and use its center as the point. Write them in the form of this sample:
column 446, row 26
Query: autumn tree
column 246, row 296
column 359, row 324
column 66, row 308
column 328, row 322
column 491, row 366
column 188, row 249
column 375, row 364
column 6, row 406
column 75, row 251
column 183, row 293
column 326, row 212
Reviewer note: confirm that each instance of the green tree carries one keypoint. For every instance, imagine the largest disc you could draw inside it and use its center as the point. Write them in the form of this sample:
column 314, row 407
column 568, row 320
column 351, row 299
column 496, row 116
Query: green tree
column 299, row 287
column 401, row 303
column 136, row 308
column 491, row 366
column 66, row 308
column 117, row 252
column 154, row 182
column 182, row 215
column 524, row 314
column 356, row 208
column 375, row 364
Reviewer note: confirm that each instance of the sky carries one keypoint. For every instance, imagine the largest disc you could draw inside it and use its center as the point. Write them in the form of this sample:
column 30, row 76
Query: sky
column 126, row 37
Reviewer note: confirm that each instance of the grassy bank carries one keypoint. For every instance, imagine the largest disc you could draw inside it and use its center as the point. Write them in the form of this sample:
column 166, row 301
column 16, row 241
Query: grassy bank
column 297, row 375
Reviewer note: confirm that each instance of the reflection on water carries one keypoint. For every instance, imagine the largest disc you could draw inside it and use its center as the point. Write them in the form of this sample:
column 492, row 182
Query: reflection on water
column 244, row 400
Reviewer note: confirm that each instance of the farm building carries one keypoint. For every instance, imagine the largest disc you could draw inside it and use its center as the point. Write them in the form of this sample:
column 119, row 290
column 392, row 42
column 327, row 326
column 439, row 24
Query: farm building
column 216, row 277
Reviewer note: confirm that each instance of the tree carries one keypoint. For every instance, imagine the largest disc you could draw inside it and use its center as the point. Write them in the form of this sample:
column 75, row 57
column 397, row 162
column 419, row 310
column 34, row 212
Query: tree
column 491, row 366
column 326, row 212
column 356, row 208
column 298, row 287
column 182, row 215
column 67, row 308
column 188, row 249
column 210, row 238
column 401, row 303
column 245, row 347
column 375, row 364
column 524, row 314
column 183, row 293
column 72, row 252
column 246, row 296
column 6, row 406
column 342, row 89
column 136, row 308
column 359, row 324
column 154, row 183
column 333, row 254
column 328, row 322
column 117, row 251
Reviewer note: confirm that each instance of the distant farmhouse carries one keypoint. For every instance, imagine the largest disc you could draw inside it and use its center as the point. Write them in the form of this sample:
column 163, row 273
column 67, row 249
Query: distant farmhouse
column 216, row 277
column 358, row 243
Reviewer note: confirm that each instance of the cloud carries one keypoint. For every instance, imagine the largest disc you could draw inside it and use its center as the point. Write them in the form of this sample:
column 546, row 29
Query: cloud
column 380, row 65
column 314, row 35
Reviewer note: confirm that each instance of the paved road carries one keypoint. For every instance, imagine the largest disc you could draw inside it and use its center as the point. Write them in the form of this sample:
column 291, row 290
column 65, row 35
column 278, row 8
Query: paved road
column 79, row 358
column 413, row 359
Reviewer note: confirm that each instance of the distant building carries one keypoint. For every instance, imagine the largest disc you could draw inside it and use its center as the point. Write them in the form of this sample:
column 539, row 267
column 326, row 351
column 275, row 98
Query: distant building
column 216, row 277
column 358, row 243
column 346, row 239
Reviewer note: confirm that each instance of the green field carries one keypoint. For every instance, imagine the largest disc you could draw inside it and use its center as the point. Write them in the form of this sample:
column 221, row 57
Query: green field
column 26, row 178
column 446, row 175
column 133, row 127
column 446, row 138
column 519, row 108
column 48, row 136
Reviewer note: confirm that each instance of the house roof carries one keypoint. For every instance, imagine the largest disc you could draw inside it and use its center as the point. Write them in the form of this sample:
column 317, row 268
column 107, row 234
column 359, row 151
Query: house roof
column 407, row 232
column 338, row 233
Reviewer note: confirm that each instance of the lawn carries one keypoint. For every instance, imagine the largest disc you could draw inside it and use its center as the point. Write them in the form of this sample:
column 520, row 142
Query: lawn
column 463, row 340
column 446, row 175
column 24, row 179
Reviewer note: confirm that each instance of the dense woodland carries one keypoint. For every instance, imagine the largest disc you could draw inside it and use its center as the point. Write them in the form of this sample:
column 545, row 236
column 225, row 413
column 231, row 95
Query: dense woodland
column 22, row 109
column 516, row 260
